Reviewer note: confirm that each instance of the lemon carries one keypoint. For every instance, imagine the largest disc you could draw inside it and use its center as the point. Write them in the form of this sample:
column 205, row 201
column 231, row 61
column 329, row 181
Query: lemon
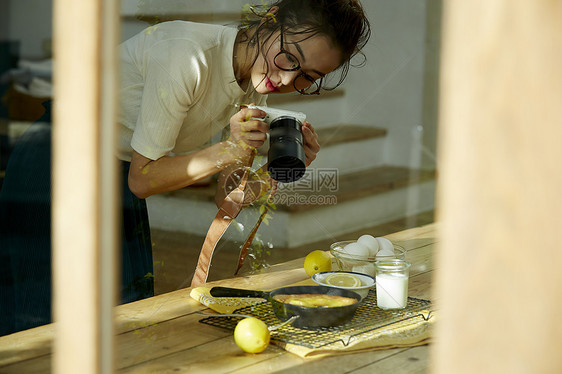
column 342, row 280
column 316, row 262
column 252, row 335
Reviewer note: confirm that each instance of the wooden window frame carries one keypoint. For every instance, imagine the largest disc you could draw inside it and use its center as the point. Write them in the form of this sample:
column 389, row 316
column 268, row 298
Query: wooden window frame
column 85, row 199
column 500, row 125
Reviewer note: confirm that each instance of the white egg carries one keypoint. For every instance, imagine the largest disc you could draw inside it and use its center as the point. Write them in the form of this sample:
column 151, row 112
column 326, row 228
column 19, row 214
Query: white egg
column 356, row 249
column 368, row 269
column 370, row 242
column 385, row 244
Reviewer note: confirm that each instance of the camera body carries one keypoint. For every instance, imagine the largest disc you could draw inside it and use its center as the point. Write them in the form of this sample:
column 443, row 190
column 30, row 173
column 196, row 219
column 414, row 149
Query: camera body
column 274, row 113
column 286, row 156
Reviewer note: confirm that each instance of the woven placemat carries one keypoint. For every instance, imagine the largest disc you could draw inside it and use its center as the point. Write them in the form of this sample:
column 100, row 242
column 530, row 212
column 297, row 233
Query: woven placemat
column 367, row 318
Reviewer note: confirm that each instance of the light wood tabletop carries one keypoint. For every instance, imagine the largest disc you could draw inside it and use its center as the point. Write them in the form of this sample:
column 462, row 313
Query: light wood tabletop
column 163, row 334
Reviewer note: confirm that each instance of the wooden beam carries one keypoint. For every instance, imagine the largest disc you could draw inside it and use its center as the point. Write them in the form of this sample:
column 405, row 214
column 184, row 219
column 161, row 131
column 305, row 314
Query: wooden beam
column 499, row 280
column 84, row 185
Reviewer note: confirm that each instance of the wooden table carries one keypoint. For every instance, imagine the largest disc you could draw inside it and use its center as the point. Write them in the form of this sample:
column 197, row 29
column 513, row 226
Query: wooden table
column 163, row 333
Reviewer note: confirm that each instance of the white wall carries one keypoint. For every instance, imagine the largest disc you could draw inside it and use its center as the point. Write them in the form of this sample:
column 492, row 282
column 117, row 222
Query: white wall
column 30, row 22
column 4, row 19
column 388, row 91
column 131, row 8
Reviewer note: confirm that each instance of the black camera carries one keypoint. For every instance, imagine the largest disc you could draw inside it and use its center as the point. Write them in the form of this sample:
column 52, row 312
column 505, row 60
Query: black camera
column 286, row 156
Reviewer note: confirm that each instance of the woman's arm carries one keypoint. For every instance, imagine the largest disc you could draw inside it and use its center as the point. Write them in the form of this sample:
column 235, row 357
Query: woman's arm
column 148, row 177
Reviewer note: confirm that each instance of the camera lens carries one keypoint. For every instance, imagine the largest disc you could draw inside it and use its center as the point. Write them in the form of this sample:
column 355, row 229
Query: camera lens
column 286, row 152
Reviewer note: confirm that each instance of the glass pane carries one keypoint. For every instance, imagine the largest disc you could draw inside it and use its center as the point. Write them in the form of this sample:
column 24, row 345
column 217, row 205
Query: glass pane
column 374, row 173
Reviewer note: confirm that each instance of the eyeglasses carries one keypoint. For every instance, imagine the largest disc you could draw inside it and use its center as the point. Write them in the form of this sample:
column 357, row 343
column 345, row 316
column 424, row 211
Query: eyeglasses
column 303, row 83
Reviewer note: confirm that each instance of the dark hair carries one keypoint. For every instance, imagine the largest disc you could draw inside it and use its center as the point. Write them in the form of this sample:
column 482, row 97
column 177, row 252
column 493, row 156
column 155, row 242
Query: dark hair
column 343, row 21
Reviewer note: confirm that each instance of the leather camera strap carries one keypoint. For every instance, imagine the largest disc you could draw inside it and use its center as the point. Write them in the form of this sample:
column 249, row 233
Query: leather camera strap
column 229, row 209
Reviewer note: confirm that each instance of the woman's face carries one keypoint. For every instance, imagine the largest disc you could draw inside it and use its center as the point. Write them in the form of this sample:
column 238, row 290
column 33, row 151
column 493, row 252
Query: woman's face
column 316, row 56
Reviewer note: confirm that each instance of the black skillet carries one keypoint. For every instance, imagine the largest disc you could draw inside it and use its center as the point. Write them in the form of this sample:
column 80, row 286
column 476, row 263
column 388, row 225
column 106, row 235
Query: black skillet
column 308, row 317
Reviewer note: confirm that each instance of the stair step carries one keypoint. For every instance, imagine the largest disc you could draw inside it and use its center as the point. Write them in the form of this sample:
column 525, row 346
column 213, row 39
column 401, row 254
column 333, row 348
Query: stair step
column 154, row 18
column 353, row 186
column 347, row 133
column 347, row 187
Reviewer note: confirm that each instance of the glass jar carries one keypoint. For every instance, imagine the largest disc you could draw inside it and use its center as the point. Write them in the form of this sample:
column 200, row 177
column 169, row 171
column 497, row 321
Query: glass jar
column 392, row 283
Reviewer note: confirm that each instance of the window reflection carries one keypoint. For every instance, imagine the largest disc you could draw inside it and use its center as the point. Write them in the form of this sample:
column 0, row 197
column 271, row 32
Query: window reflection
column 25, row 145
column 376, row 132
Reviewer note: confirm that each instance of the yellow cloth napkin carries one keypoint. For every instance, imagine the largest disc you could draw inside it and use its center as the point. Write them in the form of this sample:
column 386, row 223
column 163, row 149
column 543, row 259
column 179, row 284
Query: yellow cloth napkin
column 411, row 332
column 223, row 305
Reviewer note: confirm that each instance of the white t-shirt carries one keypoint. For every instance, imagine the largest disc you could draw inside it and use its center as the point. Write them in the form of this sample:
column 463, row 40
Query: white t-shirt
column 178, row 88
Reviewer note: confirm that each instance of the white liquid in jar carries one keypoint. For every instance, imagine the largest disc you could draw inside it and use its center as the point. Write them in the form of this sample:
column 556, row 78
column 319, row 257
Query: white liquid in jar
column 392, row 291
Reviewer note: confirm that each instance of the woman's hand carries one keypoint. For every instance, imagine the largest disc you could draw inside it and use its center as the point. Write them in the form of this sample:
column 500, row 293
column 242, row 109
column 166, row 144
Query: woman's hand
column 311, row 145
column 246, row 130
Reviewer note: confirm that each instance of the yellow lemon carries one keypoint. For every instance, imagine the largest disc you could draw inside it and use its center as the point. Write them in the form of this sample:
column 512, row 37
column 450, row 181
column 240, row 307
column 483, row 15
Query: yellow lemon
column 252, row 335
column 316, row 262
column 342, row 280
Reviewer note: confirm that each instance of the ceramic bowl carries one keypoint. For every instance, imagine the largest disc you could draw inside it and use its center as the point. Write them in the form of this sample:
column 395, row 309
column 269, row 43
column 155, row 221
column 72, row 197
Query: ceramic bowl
column 367, row 282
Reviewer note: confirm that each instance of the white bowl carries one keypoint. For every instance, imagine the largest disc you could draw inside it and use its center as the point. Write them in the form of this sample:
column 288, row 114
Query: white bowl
column 367, row 282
